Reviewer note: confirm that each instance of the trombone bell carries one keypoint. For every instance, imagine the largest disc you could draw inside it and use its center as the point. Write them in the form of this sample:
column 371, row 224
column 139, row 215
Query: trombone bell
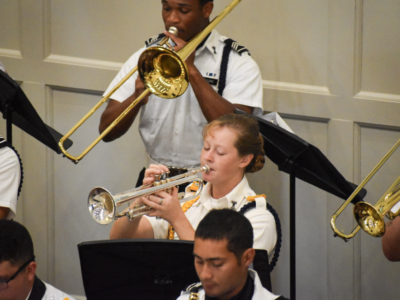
column 369, row 219
column 163, row 72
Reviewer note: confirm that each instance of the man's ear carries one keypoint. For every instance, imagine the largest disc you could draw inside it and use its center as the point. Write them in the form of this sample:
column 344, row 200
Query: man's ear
column 31, row 271
column 207, row 9
column 245, row 160
column 248, row 256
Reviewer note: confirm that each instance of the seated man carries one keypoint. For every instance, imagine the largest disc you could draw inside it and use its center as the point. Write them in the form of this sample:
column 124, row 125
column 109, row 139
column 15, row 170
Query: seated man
column 10, row 178
column 223, row 253
column 18, row 267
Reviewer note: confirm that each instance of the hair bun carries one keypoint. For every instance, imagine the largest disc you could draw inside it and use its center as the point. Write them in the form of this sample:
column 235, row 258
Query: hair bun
column 257, row 163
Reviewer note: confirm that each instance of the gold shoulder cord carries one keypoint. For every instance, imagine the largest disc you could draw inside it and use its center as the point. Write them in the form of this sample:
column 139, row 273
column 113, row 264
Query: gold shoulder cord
column 253, row 198
column 185, row 207
column 194, row 296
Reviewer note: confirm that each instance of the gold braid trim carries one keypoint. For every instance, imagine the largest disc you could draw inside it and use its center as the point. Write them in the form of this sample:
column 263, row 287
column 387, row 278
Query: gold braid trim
column 253, row 198
column 194, row 296
column 185, row 207
column 194, row 186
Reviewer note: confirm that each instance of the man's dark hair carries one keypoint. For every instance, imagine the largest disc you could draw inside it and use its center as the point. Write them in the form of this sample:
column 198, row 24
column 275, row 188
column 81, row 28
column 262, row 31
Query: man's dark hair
column 220, row 224
column 202, row 2
column 16, row 244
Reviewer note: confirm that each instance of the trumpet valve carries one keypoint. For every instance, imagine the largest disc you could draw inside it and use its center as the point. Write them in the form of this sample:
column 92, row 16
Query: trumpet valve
column 138, row 210
column 157, row 180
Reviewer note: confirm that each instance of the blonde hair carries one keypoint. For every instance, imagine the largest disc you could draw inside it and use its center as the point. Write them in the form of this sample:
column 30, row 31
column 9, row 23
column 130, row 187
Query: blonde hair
column 248, row 139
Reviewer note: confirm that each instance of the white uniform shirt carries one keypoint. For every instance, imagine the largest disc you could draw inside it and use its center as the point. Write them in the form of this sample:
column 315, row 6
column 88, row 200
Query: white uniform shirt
column 53, row 294
column 261, row 219
column 2, row 68
column 171, row 129
column 10, row 175
column 260, row 293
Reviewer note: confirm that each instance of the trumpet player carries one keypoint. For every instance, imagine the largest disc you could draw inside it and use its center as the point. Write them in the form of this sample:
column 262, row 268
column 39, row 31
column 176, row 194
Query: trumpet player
column 232, row 147
column 171, row 129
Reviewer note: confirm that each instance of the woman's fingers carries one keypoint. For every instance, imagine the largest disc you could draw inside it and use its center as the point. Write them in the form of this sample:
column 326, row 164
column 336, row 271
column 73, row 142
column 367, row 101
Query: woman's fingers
column 152, row 201
column 151, row 171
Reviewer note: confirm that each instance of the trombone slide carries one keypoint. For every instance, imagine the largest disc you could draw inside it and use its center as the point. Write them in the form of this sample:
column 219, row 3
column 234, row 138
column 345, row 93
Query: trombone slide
column 370, row 217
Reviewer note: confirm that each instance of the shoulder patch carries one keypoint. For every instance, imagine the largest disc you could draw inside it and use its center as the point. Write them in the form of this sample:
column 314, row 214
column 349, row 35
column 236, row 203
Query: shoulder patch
column 154, row 39
column 194, row 287
column 253, row 198
column 236, row 47
column 194, row 186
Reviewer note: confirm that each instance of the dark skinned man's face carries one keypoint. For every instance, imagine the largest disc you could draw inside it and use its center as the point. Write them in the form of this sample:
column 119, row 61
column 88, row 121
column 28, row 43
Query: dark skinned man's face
column 188, row 16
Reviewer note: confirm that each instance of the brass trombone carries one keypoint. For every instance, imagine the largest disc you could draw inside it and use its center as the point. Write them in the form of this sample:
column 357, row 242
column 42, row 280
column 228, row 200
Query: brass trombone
column 370, row 217
column 162, row 70
column 103, row 205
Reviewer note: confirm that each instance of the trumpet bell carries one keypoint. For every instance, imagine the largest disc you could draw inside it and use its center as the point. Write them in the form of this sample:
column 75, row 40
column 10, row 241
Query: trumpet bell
column 101, row 205
column 163, row 72
column 369, row 219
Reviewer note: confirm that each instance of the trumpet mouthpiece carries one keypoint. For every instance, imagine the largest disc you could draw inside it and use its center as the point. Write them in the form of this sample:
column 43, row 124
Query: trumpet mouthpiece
column 206, row 168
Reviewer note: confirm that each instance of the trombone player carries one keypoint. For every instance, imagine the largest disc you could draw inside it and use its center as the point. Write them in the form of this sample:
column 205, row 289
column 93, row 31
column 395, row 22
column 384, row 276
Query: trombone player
column 391, row 238
column 172, row 129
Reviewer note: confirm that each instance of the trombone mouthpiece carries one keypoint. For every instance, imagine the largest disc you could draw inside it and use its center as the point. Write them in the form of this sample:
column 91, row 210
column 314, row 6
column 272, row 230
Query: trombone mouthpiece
column 173, row 30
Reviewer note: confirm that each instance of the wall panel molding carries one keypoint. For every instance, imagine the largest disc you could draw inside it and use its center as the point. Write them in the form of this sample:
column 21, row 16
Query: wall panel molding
column 358, row 42
column 376, row 126
column 295, row 87
column 75, row 90
column 305, row 118
column 83, row 62
column 50, row 175
column 10, row 53
column 46, row 28
column 377, row 96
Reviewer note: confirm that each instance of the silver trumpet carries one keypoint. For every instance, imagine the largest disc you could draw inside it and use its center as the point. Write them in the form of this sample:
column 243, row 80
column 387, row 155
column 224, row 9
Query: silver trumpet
column 103, row 205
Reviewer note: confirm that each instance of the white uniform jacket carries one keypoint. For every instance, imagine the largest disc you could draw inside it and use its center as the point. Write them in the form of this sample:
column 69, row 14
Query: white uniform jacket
column 261, row 219
column 260, row 293
column 171, row 130
column 55, row 294
column 10, row 176
column 44, row 291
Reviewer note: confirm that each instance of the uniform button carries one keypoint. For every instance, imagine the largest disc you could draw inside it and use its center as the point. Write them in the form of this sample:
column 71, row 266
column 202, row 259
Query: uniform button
column 179, row 109
column 175, row 155
column 176, row 131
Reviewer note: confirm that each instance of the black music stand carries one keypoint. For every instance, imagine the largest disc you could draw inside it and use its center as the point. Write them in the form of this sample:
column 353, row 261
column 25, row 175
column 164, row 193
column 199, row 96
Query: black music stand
column 300, row 159
column 18, row 110
column 136, row 269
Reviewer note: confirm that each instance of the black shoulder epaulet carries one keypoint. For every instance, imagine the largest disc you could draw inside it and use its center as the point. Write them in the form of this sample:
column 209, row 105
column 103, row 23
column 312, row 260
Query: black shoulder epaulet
column 154, row 39
column 236, row 47
column 194, row 287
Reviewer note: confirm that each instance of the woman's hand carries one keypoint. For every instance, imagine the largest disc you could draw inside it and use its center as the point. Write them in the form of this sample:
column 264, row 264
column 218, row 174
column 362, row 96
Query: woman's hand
column 167, row 206
column 151, row 171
